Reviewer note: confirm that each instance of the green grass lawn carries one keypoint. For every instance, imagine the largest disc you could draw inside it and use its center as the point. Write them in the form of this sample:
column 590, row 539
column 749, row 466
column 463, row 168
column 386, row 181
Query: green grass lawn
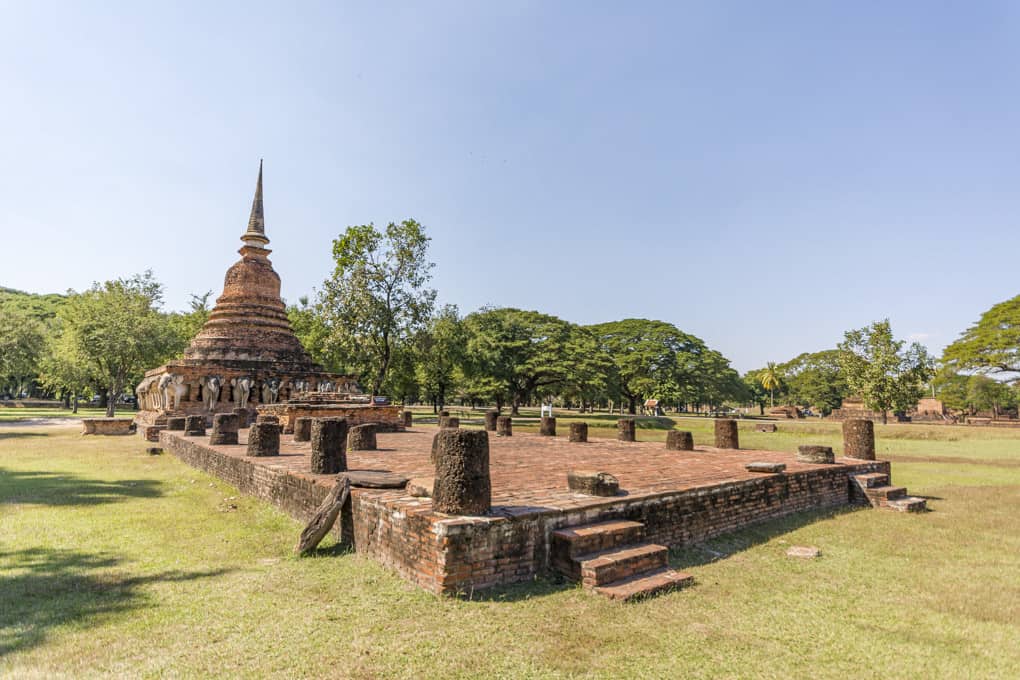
column 116, row 563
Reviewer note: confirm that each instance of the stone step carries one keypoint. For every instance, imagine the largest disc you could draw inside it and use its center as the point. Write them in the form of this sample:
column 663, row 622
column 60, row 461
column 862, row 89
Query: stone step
column 881, row 495
column 608, row 566
column 870, row 480
column 571, row 542
column 907, row 504
column 645, row 585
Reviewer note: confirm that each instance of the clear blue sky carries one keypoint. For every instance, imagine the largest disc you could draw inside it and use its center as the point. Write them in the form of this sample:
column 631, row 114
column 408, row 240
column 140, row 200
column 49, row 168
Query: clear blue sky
column 763, row 175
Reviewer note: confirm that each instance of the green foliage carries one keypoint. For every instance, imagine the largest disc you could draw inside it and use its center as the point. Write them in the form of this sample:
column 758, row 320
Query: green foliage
column 111, row 334
column 377, row 297
column 22, row 340
column 878, row 368
column 654, row 358
column 41, row 307
column 771, row 378
column 814, row 379
column 992, row 345
column 973, row 393
column 185, row 326
column 516, row 353
column 440, row 352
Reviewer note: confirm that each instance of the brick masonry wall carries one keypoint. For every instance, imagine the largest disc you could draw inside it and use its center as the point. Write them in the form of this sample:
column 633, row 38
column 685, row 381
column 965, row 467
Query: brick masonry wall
column 460, row 555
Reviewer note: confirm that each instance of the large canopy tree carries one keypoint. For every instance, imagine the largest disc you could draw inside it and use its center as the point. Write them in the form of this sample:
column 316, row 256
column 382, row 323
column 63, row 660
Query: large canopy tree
column 648, row 356
column 516, row 353
column 881, row 371
column 113, row 332
column 992, row 345
column 378, row 296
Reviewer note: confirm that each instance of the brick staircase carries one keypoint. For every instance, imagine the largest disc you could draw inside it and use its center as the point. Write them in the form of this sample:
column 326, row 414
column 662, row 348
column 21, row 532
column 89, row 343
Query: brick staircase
column 612, row 559
column 881, row 494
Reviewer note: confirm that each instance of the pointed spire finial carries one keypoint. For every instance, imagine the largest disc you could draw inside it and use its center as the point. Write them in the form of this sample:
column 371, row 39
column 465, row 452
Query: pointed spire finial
column 256, row 234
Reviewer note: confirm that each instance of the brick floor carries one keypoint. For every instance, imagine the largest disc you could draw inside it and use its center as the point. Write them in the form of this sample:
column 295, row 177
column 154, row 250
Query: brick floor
column 529, row 471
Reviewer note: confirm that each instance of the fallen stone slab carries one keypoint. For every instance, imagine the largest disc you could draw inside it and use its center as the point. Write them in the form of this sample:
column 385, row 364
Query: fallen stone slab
column 370, row 479
column 766, row 427
column 815, row 454
column 325, row 516
column 765, row 467
column 806, row 552
column 420, row 487
column 154, row 450
column 593, row 483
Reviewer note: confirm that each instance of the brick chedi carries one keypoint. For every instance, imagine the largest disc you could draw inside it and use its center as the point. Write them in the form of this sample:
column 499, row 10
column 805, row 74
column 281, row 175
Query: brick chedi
column 246, row 354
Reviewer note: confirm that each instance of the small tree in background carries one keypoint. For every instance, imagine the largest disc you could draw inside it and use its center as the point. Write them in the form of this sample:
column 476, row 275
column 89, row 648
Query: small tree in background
column 881, row 371
column 770, row 379
column 378, row 296
column 111, row 333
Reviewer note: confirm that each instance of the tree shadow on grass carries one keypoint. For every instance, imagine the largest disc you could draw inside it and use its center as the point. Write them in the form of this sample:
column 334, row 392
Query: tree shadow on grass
column 19, row 435
column 43, row 588
column 729, row 544
column 60, row 488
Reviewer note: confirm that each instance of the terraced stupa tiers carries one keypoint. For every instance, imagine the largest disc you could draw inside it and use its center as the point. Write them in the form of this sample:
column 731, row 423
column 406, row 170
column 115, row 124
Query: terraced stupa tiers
column 246, row 355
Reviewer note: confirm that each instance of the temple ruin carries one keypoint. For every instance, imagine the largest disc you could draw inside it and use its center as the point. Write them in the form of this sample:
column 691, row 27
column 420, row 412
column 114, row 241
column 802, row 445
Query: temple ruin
column 246, row 355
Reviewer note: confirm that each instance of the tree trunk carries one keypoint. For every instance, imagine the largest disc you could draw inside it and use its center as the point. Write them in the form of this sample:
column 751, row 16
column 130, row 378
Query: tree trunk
column 111, row 403
column 885, row 417
column 632, row 407
column 74, row 403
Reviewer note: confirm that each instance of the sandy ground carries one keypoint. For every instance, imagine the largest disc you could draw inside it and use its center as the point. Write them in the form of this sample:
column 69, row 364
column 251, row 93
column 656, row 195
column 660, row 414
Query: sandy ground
column 42, row 422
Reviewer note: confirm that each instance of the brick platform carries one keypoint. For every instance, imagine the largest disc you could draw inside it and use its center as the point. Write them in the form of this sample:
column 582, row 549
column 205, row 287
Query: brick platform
column 679, row 496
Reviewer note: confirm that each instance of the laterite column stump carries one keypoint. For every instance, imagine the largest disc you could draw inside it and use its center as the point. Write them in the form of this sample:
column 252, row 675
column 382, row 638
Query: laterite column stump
column 678, row 440
column 859, row 438
column 224, row 429
column 462, row 485
column 625, row 428
column 264, row 439
column 329, row 441
column 726, row 434
column 579, row 432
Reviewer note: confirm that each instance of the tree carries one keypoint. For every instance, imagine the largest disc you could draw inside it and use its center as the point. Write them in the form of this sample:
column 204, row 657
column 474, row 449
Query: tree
column 377, row 296
column 514, row 353
column 113, row 332
column 814, row 379
column 649, row 355
column 985, row 394
column 187, row 325
column 992, row 345
column 22, row 339
column 770, row 378
column 879, row 369
column 439, row 355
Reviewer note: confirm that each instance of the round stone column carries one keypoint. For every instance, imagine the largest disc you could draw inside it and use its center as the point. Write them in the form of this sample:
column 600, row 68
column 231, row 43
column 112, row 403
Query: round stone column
column 625, row 429
column 194, row 426
column 362, row 438
column 726, row 434
column 859, row 438
column 548, row 427
column 264, row 439
column 504, row 426
column 678, row 440
column 175, row 423
column 329, row 441
column 490, row 420
column 224, row 429
column 462, row 485
column 579, row 432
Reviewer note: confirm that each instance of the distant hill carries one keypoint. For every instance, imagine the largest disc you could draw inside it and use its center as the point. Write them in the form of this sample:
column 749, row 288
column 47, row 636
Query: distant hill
column 41, row 306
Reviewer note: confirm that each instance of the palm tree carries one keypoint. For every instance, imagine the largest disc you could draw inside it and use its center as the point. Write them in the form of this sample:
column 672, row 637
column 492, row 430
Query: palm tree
column 770, row 377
